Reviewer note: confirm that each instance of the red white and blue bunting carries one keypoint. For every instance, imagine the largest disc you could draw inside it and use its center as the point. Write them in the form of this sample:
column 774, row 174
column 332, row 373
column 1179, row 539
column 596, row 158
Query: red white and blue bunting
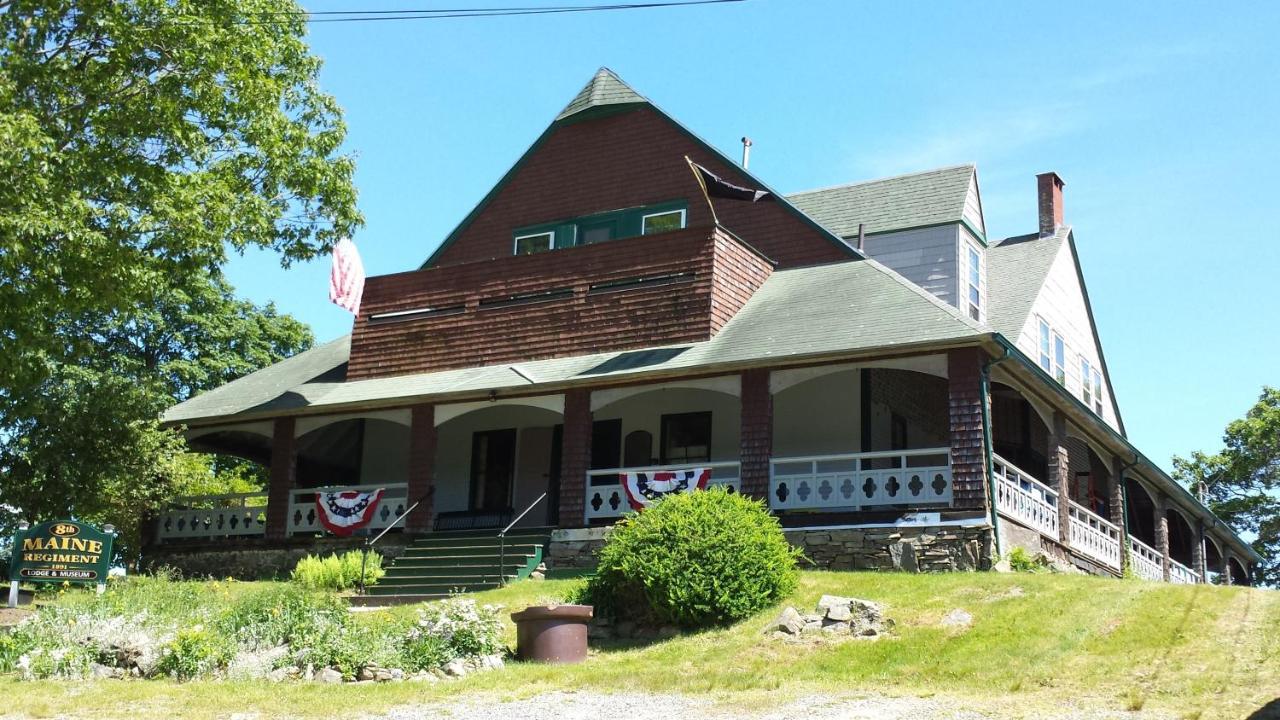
column 644, row 489
column 345, row 511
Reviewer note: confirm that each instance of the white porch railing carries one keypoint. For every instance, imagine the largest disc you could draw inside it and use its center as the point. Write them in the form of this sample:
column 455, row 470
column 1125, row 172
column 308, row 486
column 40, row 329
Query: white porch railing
column 1095, row 537
column 1147, row 563
column 304, row 518
column 607, row 499
column 1024, row 499
column 1181, row 574
column 861, row 480
column 213, row 516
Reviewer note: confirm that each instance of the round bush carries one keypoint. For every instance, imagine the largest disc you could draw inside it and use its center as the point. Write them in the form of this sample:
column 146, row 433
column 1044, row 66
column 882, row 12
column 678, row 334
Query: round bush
column 694, row 560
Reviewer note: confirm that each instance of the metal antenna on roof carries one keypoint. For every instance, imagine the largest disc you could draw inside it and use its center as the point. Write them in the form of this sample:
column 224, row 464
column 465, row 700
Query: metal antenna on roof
column 746, row 151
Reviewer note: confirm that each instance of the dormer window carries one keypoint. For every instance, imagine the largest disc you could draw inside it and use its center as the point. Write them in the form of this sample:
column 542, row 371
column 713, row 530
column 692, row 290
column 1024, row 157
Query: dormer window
column 601, row 227
column 975, row 283
column 535, row 242
column 659, row 222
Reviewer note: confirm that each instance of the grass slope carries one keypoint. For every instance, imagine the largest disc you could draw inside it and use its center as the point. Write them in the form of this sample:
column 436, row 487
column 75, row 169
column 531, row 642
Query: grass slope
column 1042, row 641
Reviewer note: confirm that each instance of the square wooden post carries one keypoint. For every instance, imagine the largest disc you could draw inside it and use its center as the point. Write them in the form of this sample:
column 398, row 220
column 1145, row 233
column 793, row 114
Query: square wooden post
column 1161, row 512
column 284, row 463
column 1060, row 475
column 422, row 468
column 1197, row 553
column 575, row 458
column 756, row 443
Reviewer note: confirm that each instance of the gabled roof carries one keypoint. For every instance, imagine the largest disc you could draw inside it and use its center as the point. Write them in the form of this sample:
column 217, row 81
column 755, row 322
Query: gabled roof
column 843, row 308
column 920, row 199
column 603, row 93
column 1017, row 267
column 606, row 88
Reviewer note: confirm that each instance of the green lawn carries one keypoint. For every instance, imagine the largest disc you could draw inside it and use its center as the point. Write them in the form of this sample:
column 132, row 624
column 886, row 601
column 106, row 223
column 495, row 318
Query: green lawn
column 1042, row 640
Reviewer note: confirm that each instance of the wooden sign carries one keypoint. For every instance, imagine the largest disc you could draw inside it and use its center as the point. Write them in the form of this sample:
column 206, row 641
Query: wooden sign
column 59, row 551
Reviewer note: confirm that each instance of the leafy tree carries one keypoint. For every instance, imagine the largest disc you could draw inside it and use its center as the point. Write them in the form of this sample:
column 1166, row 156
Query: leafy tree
column 86, row 442
column 1242, row 482
column 144, row 140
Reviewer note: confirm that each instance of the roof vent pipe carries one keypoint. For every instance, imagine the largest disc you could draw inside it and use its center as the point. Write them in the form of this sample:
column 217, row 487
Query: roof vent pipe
column 862, row 237
column 746, row 151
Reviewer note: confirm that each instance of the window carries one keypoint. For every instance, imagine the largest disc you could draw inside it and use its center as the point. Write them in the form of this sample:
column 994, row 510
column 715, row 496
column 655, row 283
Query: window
column 600, row 227
column 1097, row 391
column 537, row 242
column 1086, row 381
column 662, row 222
column 596, row 232
column 975, row 284
column 1045, row 361
column 1059, row 359
column 686, row 438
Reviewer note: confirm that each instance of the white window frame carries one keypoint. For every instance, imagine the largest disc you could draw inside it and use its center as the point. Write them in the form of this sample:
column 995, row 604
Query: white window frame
column 1086, row 381
column 1059, row 358
column 974, row 261
column 644, row 219
column 1046, row 346
column 1097, row 391
column 515, row 244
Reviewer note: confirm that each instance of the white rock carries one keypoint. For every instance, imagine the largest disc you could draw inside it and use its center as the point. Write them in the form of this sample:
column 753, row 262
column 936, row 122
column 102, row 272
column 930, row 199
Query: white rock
column 329, row 675
column 839, row 613
column 957, row 618
column 789, row 622
column 455, row 668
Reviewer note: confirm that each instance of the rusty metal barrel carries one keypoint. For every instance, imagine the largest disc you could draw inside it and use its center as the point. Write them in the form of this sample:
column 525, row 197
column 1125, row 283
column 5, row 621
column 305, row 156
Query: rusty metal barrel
column 552, row 633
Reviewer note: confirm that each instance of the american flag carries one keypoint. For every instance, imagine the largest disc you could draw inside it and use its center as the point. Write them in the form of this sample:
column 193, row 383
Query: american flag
column 346, row 278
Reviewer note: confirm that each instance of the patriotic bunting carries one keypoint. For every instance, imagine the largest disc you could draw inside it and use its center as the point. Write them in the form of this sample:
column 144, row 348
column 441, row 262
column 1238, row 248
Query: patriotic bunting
column 345, row 511
column 644, row 489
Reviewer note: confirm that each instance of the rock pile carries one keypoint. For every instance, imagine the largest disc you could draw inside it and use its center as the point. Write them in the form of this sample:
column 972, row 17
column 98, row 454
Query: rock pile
column 834, row 616
column 373, row 674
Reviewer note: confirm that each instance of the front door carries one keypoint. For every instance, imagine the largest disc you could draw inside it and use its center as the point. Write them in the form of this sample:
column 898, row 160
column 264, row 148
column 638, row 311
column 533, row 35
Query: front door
column 493, row 466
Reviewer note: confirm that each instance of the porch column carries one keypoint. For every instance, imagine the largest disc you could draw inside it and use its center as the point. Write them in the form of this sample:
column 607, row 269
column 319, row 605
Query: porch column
column 965, row 418
column 284, row 464
column 1197, row 553
column 1060, row 475
column 1162, row 531
column 756, row 445
column 1115, row 509
column 422, row 468
column 1225, row 572
column 575, row 458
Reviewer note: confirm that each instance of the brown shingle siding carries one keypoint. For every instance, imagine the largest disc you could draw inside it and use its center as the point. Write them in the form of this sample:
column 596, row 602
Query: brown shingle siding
column 628, row 160
column 716, row 276
column 968, row 452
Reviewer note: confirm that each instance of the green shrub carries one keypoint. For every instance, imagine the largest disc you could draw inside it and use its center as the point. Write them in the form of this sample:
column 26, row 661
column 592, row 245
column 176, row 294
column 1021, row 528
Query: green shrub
column 338, row 572
column 694, row 559
column 1022, row 561
column 285, row 614
column 194, row 652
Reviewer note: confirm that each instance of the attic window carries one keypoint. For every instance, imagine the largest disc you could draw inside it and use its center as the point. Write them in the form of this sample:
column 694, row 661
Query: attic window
column 536, row 242
column 975, row 284
column 654, row 223
column 600, row 227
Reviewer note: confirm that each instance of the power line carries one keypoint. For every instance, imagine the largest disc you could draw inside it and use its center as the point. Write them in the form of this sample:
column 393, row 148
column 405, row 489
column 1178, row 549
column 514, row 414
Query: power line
column 340, row 16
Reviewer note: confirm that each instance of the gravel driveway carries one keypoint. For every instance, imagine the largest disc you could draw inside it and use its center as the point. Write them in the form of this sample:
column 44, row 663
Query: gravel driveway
column 597, row 706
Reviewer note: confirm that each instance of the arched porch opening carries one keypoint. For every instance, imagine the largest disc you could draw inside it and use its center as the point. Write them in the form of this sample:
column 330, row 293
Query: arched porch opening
column 495, row 460
column 1239, row 573
column 1212, row 558
column 1089, row 477
column 1141, row 512
column 1019, row 433
column 1182, row 539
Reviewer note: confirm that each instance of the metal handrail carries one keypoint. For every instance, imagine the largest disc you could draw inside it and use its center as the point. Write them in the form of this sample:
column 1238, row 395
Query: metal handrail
column 502, row 540
column 368, row 544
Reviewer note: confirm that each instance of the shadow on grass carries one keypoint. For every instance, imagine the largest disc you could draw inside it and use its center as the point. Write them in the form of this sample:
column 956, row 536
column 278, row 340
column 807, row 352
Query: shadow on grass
column 1270, row 711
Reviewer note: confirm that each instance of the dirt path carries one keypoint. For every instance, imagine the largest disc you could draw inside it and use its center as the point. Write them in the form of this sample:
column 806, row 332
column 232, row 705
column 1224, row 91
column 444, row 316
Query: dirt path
column 594, row 706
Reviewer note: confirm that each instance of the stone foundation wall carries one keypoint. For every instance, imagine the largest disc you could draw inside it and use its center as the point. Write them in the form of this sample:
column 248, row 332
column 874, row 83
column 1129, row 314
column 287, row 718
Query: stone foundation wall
column 254, row 560
column 575, row 549
column 935, row 548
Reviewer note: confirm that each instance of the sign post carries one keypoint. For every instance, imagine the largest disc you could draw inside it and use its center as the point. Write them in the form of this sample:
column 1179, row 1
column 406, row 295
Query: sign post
column 60, row 551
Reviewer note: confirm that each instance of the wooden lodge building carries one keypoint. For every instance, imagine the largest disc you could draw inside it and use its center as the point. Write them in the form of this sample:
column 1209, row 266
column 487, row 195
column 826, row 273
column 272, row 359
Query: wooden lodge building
column 905, row 391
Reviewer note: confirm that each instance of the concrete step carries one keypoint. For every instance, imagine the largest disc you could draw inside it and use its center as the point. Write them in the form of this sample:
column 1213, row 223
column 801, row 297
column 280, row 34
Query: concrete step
column 431, row 588
column 412, row 552
column 479, row 542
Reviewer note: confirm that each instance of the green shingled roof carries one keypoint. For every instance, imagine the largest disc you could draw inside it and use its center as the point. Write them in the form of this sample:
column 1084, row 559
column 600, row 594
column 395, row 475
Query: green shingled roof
column 606, row 88
column 897, row 203
column 840, row 308
column 1016, row 269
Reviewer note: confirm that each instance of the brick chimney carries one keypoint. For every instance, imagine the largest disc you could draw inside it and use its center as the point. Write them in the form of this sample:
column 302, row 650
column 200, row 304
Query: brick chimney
column 1049, row 192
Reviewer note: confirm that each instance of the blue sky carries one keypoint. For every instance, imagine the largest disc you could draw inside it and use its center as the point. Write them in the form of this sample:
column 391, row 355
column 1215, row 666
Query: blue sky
column 1161, row 118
